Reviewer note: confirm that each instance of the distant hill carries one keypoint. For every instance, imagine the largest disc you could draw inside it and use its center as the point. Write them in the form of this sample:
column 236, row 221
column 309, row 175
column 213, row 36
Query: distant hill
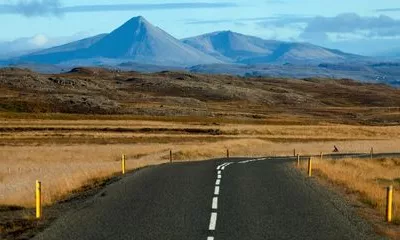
column 235, row 47
column 136, row 40
column 93, row 90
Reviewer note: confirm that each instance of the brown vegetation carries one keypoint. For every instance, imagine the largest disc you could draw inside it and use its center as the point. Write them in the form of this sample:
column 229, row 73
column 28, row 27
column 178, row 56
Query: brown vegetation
column 99, row 91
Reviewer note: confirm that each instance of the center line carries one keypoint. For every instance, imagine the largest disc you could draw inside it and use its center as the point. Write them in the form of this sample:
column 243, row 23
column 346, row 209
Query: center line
column 215, row 203
column 219, row 176
column 219, row 172
column 218, row 182
column 223, row 168
column 220, row 166
column 213, row 221
column 216, row 191
column 210, row 238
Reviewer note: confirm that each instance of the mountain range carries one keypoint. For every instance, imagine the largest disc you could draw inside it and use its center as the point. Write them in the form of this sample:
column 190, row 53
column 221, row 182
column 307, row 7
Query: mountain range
column 141, row 42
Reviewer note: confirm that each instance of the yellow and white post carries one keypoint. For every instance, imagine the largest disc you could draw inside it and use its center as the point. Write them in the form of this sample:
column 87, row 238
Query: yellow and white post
column 389, row 204
column 372, row 152
column 298, row 160
column 310, row 167
column 123, row 163
column 38, row 199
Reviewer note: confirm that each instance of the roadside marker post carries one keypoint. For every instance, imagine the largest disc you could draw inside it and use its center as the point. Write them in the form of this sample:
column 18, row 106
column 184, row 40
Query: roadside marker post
column 227, row 153
column 310, row 167
column 298, row 160
column 389, row 204
column 321, row 156
column 294, row 152
column 170, row 156
column 123, row 163
column 38, row 199
column 372, row 152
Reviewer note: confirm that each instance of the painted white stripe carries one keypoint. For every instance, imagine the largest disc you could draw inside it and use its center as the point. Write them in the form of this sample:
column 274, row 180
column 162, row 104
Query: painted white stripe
column 223, row 168
column 216, row 190
column 219, row 172
column 213, row 221
column 219, row 176
column 218, row 182
column 253, row 160
column 220, row 166
column 215, row 203
column 210, row 238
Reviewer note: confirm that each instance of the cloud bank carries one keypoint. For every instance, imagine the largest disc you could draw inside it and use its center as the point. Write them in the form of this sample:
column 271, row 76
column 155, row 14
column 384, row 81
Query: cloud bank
column 34, row 8
column 346, row 24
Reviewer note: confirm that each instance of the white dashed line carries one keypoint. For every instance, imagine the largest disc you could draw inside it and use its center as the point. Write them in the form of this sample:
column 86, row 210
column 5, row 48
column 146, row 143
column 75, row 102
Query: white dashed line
column 215, row 203
column 213, row 221
column 216, row 190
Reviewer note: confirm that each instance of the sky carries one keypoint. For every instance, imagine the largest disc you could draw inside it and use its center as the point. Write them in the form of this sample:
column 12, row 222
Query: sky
column 369, row 27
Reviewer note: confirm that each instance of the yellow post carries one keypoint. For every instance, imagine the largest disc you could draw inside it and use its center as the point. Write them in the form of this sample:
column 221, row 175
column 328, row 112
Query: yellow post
column 298, row 160
column 123, row 163
column 38, row 199
column 389, row 204
column 309, row 167
column 170, row 156
column 227, row 153
column 372, row 152
column 321, row 156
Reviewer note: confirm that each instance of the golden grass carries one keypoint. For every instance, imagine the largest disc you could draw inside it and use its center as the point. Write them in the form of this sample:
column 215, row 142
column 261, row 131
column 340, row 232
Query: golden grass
column 365, row 178
column 109, row 128
column 65, row 160
column 64, row 168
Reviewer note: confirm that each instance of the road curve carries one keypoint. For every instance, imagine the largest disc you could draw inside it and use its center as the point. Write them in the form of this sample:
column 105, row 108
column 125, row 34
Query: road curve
column 262, row 198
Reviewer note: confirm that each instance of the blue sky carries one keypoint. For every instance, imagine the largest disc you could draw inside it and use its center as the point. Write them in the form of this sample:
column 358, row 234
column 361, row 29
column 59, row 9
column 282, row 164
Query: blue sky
column 358, row 26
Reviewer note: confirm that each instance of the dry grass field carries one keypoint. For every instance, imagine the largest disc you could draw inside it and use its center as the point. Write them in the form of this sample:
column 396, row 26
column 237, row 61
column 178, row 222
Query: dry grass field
column 66, row 154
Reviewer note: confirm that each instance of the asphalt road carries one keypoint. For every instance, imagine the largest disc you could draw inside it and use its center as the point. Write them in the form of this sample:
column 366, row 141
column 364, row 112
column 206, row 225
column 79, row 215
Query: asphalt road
column 247, row 199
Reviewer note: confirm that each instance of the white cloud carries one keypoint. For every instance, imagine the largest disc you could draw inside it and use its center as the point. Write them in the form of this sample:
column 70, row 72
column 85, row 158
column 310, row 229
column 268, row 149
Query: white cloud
column 39, row 40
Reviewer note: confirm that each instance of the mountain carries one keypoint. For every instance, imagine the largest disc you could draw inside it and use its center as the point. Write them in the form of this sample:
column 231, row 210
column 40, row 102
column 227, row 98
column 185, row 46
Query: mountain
column 73, row 46
column 238, row 48
column 137, row 40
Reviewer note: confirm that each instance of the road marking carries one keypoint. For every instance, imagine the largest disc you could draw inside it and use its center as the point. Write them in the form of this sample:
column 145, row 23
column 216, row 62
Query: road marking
column 253, row 160
column 218, row 182
column 219, row 172
column 216, row 190
column 220, row 166
column 223, row 168
column 219, row 176
column 213, row 221
column 215, row 203
column 210, row 238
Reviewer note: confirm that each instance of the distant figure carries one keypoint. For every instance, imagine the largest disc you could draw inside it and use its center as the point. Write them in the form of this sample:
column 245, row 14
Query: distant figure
column 335, row 149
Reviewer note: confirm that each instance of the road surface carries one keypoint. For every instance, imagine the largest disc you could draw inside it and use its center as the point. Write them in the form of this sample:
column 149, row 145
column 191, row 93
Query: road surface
column 261, row 198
